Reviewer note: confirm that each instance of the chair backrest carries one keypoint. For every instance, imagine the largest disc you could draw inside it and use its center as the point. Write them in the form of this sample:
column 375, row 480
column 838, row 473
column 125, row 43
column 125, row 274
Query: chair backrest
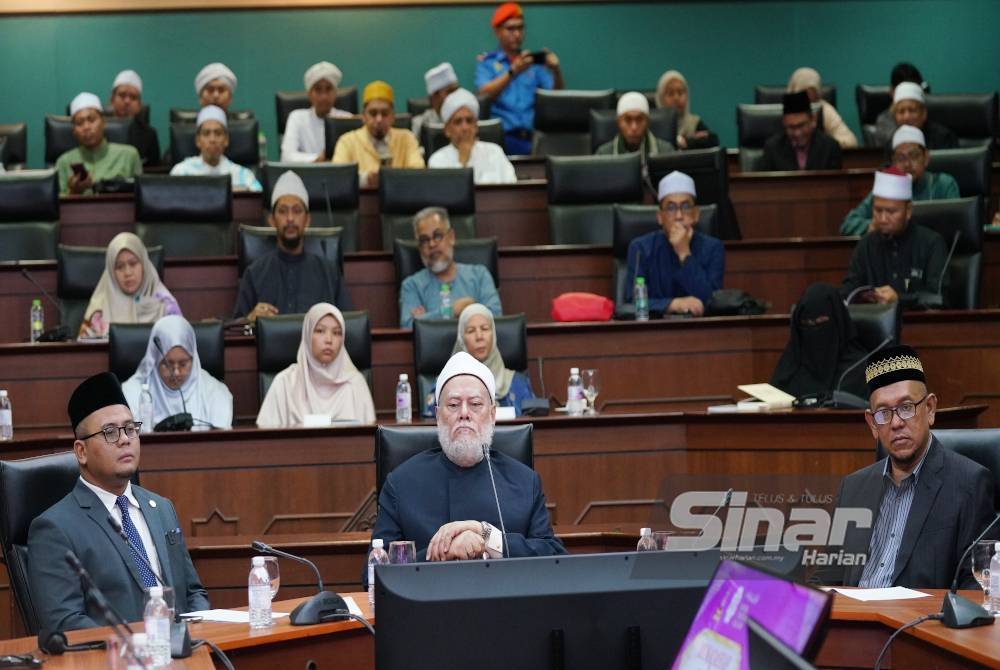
column 769, row 94
column 337, row 127
column 874, row 323
column 16, row 150
column 59, row 134
column 287, row 101
column 188, row 216
column 562, row 120
column 77, row 272
column 475, row 251
column 29, row 215
column 255, row 241
column 710, row 171
column 244, row 142
column 966, row 218
column 604, row 125
column 278, row 339
column 971, row 168
column 333, row 196
column 180, row 115
column 417, row 106
column 582, row 191
column 631, row 221
column 127, row 344
column 871, row 101
column 28, row 487
column 755, row 124
column 432, row 135
column 971, row 116
column 402, row 193
column 393, row 446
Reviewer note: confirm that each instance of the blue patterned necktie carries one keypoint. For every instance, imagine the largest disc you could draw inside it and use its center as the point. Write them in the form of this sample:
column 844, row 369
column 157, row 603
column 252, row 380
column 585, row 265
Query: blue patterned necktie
column 138, row 550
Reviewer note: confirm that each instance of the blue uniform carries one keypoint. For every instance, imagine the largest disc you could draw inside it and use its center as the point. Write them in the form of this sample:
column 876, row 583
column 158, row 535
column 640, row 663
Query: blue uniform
column 699, row 276
column 515, row 106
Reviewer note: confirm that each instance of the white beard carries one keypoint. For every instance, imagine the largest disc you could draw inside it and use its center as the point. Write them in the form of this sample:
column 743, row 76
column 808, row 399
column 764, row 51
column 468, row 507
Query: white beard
column 464, row 452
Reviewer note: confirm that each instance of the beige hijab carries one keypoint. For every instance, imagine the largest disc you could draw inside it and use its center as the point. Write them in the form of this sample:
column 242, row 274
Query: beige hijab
column 146, row 305
column 494, row 361
column 687, row 123
column 337, row 390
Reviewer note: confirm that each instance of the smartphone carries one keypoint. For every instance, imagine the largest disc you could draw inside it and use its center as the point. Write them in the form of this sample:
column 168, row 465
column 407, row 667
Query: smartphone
column 79, row 170
column 538, row 57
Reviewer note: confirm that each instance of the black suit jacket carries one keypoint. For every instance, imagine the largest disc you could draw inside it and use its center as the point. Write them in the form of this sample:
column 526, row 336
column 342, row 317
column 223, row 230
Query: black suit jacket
column 953, row 503
column 824, row 154
column 79, row 523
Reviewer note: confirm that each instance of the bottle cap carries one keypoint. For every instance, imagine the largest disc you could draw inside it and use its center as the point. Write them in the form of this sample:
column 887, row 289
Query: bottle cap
column 257, row 561
column 36, row 303
column 377, row 543
column 445, row 287
column 645, row 532
column 3, row 393
column 996, row 547
column 404, row 377
column 155, row 591
column 640, row 281
column 138, row 640
column 574, row 371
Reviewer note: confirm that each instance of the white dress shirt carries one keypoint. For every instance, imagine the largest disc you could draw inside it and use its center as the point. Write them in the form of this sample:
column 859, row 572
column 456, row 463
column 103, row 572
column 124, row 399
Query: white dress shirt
column 488, row 162
column 305, row 135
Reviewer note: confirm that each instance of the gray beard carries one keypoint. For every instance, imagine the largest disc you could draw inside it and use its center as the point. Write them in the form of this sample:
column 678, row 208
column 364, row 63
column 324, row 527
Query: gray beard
column 464, row 452
column 439, row 266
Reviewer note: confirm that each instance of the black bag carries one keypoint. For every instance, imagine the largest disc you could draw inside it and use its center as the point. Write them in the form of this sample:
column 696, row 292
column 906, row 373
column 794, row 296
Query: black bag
column 733, row 302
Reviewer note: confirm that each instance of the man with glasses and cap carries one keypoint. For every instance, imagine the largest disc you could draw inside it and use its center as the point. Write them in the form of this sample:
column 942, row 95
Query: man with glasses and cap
column 100, row 159
column 106, row 445
column 928, row 503
column 633, row 130
column 909, row 108
column 801, row 145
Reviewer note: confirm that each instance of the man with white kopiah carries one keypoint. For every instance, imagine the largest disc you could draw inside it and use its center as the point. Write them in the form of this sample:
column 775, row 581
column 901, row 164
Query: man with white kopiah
column 633, row 130
column 441, row 81
column 304, row 140
column 489, row 163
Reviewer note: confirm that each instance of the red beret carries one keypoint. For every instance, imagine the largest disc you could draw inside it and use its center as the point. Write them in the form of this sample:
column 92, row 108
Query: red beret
column 508, row 10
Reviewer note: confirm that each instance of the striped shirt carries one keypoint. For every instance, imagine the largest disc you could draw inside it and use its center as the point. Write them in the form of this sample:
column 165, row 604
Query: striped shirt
column 887, row 534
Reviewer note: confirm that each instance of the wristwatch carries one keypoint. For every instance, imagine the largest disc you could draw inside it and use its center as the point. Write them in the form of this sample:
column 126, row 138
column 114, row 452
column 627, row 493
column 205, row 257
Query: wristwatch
column 487, row 531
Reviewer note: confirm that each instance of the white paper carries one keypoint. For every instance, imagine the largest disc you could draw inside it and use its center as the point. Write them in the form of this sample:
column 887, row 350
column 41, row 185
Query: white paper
column 890, row 593
column 231, row 616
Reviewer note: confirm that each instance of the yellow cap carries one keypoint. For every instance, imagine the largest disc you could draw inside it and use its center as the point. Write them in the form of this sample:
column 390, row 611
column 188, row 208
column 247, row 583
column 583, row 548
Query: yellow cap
column 377, row 90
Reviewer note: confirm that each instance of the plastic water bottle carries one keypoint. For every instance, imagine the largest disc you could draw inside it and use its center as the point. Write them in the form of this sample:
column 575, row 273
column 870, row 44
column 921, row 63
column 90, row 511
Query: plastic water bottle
column 995, row 579
column 156, row 618
column 140, row 655
column 574, row 393
column 377, row 556
column 640, row 295
column 646, row 541
column 404, row 400
column 6, row 417
column 37, row 320
column 259, row 588
column 146, row 409
column 445, row 294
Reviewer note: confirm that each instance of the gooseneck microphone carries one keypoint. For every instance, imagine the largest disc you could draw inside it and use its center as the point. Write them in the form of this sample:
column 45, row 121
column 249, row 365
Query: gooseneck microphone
column 725, row 502
column 117, row 527
column 503, row 530
column 183, row 420
column 935, row 300
column 845, row 399
column 959, row 612
column 324, row 606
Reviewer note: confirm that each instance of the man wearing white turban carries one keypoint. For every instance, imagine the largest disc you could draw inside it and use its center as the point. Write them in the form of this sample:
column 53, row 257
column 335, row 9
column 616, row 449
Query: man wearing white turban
column 304, row 140
column 95, row 159
column 489, row 163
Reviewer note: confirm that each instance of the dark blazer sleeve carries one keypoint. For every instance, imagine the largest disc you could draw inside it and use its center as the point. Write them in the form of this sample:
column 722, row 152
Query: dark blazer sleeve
column 184, row 578
column 55, row 590
column 711, row 140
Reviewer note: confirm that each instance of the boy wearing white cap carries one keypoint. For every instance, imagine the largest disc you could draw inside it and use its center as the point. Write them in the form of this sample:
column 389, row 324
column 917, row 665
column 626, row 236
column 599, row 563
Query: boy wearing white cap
column 94, row 159
column 909, row 108
column 633, row 130
column 212, row 139
column 441, row 81
column 215, row 84
column 681, row 266
column 489, row 163
column 126, row 102
column 288, row 279
column 909, row 153
column 896, row 261
column 304, row 140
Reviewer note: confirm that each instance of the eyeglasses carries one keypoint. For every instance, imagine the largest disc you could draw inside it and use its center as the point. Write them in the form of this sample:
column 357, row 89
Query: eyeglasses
column 113, row 433
column 435, row 237
column 673, row 207
column 904, row 411
column 907, row 157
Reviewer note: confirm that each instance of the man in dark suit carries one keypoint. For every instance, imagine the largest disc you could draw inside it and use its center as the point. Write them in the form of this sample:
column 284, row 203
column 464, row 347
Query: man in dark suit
column 802, row 146
column 107, row 449
column 928, row 503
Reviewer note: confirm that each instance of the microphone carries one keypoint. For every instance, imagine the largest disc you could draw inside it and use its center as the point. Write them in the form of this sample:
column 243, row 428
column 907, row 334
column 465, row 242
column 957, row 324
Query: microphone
column 329, row 205
column 503, row 530
column 59, row 333
column 183, row 420
column 845, row 399
column 959, row 612
column 935, row 300
column 324, row 606
column 537, row 406
column 56, row 645
column 725, row 502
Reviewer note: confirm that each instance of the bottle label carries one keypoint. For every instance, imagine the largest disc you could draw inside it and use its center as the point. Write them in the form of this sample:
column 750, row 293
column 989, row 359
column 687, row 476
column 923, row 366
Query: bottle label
column 6, row 417
column 260, row 597
column 403, row 400
column 371, row 575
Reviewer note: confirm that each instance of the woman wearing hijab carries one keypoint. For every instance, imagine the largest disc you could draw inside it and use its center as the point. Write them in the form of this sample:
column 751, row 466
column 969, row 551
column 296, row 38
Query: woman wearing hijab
column 808, row 80
column 822, row 345
column 176, row 372
column 322, row 381
column 692, row 133
column 129, row 291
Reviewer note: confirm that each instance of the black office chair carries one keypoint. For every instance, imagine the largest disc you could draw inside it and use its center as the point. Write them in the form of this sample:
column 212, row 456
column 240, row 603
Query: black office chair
column 971, row 116
column 477, row 251
column 604, row 125
column 337, row 127
column 243, row 149
column 964, row 217
column 562, row 120
column 29, row 215
column 77, row 272
column 16, row 149
column 59, row 134
column 188, row 216
column 631, row 221
column 875, row 323
column 393, row 446
column 710, row 171
column 255, row 241
column 871, row 101
column 28, row 487
column 287, row 101
column 180, row 115
column 402, row 193
column 755, row 124
column 278, row 339
column 764, row 94
column 127, row 344
column 333, row 197
column 971, row 168
column 433, row 340
column 582, row 192
column 432, row 135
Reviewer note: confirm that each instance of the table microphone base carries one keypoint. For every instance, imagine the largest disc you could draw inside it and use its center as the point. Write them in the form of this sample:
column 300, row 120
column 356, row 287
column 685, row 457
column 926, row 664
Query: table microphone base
column 324, row 606
column 959, row 612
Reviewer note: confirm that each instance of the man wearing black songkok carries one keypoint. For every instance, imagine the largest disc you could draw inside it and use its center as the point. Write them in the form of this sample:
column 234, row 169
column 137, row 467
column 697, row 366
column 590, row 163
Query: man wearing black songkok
column 928, row 503
column 801, row 145
column 107, row 450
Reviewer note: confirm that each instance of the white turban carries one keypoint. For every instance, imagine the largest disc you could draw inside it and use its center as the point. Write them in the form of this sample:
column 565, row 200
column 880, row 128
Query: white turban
column 211, row 113
column 128, row 78
column 676, row 182
column 463, row 363
column 457, row 100
column 633, row 102
column 908, row 135
column 892, row 185
column 290, row 183
column 440, row 76
column 214, row 71
column 907, row 90
column 84, row 101
column 323, row 70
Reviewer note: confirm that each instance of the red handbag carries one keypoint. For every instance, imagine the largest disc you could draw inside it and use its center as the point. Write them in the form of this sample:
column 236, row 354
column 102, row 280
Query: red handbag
column 582, row 307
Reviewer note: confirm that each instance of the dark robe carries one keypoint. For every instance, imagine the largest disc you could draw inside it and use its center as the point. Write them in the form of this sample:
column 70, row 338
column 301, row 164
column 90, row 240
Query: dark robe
column 779, row 155
column 292, row 283
column 143, row 137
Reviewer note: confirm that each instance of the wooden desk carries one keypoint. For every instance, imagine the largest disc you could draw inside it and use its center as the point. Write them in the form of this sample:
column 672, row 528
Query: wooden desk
column 94, row 660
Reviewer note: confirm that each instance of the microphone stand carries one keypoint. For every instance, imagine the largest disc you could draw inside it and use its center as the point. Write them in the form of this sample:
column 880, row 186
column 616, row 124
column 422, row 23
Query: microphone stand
column 959, row 612
column 324, row 606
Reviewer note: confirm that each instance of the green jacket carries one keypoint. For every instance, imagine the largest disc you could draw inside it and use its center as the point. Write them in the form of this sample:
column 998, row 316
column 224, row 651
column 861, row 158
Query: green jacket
column 932, row 186
column 107, row 161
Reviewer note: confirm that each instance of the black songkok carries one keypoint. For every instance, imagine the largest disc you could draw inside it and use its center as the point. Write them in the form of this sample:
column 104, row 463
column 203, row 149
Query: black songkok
column 796, row 103
column 101, row 390
column 891, row 365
